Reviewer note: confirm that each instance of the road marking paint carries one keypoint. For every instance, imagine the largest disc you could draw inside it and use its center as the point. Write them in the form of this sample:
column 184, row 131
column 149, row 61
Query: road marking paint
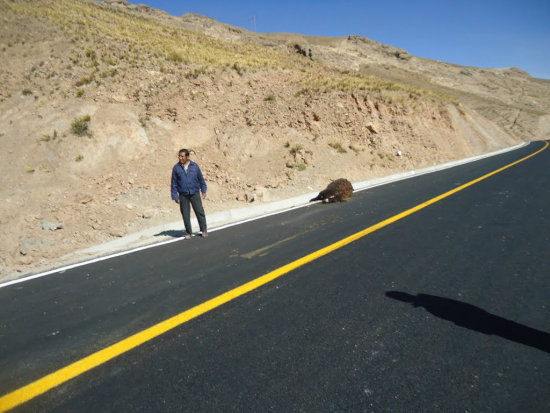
column 42, row 385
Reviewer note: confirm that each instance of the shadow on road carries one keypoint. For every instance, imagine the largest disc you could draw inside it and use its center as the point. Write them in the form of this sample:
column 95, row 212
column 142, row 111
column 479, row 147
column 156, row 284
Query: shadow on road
column 474, row 318
column 171, row 233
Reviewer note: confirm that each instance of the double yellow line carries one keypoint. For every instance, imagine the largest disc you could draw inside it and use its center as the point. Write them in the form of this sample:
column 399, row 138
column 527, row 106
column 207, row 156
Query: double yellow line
column 42, row 385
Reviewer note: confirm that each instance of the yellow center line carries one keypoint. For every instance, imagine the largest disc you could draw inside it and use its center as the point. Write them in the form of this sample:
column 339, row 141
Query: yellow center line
column 42, row 385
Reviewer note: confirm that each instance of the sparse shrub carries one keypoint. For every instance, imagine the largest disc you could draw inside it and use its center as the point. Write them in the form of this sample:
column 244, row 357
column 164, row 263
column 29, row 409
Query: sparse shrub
column 338, row 146
column 383, row 155
column 46, row 137
column 90, row 54
column 44, row 168
column 80, row 126
column 300, row 166
column 175, row 56
column 356, row 150
column 26, row 92
column 85, row 80
column 270, row 98
column 296, row 149
column 79, row 158
column 194, row 74
column 238, row 68
column 143, row 119
column 79, row 93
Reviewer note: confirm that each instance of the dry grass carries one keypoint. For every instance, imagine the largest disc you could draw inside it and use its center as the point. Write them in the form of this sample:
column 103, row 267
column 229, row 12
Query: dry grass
column 80, row 126
column 146, row 39
column 327, row 81
column 338, row 147
column 109, row 41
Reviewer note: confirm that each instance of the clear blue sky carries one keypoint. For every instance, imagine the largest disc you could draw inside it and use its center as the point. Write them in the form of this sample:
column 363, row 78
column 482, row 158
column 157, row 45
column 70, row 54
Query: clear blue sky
column 481, row 33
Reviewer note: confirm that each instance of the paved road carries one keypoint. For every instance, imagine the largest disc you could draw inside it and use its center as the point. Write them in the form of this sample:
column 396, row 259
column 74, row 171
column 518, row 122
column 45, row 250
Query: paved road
column 446, row 309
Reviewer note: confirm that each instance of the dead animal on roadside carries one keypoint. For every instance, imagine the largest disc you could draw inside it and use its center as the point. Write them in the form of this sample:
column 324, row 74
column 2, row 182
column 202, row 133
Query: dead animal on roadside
column 337, row 191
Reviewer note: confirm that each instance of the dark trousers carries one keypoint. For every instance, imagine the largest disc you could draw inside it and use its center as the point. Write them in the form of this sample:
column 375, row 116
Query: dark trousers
column 196, row 203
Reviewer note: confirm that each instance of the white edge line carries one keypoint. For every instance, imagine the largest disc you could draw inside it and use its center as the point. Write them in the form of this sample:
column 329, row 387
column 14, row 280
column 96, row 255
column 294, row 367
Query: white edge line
column 383, row 181
column 131, row 251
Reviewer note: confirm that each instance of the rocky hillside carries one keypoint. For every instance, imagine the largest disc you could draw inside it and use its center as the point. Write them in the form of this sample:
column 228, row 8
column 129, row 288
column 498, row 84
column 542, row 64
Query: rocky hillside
column 508, row 97
column 97, row 97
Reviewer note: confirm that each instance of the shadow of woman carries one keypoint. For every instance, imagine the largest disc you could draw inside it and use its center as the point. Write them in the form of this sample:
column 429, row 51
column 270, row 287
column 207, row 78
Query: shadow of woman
column 474, row 318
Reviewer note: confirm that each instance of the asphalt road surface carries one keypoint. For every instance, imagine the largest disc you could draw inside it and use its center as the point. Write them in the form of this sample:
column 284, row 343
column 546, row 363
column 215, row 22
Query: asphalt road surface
column 444, row 308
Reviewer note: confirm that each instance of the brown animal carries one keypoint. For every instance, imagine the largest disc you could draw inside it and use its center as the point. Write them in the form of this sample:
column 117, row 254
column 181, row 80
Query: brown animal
column 337, row 191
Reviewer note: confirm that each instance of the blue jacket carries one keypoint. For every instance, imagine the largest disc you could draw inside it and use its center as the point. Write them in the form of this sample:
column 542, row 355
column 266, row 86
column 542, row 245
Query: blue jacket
column 187, row 183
